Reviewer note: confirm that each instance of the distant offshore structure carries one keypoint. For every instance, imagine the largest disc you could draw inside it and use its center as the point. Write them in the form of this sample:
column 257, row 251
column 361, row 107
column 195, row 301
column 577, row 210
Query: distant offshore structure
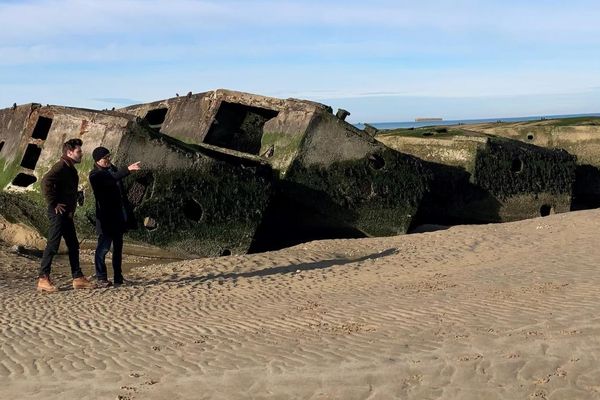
column 427, row 119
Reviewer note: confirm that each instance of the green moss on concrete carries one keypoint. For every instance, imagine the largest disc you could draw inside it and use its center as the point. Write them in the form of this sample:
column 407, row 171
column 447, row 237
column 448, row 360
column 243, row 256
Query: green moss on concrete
column 25, row 207
column 231, row 201
column 8, row 171
column 378, row 202
column 506, row 168
column 285, row 148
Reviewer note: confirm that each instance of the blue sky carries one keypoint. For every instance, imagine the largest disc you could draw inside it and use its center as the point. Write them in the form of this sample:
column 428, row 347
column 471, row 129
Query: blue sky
column 381, row 60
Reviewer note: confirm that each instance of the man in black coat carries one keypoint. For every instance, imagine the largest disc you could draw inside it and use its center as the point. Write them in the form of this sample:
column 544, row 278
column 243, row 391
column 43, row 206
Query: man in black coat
column 111, row 213
column 60, row 188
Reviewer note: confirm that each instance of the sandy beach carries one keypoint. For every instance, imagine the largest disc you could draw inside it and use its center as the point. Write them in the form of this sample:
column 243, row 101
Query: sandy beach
column 505, row 311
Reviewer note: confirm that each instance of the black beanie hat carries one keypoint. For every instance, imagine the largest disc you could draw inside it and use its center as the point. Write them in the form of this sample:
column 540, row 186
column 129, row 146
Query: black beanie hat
column 99, row 153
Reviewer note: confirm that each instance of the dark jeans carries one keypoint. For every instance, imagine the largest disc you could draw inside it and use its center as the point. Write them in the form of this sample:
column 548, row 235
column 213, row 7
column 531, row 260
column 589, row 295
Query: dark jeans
column 61, row 225
column 103, row 247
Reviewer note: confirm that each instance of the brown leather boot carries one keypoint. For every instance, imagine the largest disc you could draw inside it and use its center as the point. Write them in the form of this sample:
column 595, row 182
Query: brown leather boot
column 83, row 283
column 45, row 285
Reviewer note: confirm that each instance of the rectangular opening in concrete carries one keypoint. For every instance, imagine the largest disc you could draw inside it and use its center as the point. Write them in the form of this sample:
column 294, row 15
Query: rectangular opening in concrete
column 1, row 145
column 239, row 127
column 42, row 127
column 24, row 180
column 32, row 154
column 155, row 118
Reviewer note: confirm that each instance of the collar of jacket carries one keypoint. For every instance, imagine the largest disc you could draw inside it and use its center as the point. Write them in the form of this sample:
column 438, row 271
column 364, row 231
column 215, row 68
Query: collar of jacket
column 96, row 166
column 68, row 161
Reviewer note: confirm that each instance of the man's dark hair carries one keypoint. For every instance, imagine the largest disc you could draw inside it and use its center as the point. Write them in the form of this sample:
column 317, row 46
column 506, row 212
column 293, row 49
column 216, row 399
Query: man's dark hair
column 71, row 144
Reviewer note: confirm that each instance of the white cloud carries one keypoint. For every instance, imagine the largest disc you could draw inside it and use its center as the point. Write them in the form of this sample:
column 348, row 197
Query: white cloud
column 36, row 20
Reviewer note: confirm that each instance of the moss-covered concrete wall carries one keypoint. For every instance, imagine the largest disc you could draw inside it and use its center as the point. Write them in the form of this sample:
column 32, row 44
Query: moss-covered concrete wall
column 333, row 179
column 579, row 136
column 343, row 183
column 528, row 180
column 204, row 202
column 479, row 179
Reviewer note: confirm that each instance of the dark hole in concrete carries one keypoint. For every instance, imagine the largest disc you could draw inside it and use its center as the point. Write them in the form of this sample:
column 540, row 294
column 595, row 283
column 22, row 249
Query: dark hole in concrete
column 546, row 210
column 376, row 161
column 42, row 127
column 150, row 224
column 1, row 145
column 530, row 136
column 24, row 180
column 155, row 118
column 239, row 127
column 32, row 154
column 225, row 252
column 193, row 210
column 516, row 166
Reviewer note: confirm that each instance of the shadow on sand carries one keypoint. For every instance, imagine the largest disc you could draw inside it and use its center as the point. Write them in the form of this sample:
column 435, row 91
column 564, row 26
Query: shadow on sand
column 270, row 271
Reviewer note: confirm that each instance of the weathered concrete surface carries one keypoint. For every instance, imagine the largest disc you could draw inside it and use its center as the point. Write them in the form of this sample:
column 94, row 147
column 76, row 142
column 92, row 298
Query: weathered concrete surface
column 480, row 179
column 334, row 180
column 579, row 136
column 239, row 121
column 205, row 202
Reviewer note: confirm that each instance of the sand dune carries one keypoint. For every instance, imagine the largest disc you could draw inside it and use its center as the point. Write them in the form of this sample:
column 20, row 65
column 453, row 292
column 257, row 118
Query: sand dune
column 501, row 311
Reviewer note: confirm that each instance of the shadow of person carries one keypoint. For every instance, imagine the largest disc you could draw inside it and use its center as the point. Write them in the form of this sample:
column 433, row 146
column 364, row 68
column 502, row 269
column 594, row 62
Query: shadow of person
column 285, row 269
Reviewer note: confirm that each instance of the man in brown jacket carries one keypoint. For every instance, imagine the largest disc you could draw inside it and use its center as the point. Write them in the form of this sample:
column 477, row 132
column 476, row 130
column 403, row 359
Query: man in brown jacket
column 60, row 187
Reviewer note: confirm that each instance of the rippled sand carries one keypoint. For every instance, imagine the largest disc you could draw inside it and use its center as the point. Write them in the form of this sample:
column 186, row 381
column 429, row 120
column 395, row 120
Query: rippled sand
column 508, row 311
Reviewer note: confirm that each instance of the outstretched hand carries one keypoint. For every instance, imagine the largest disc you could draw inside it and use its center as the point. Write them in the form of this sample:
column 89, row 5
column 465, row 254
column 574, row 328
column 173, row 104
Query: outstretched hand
column 135, row 166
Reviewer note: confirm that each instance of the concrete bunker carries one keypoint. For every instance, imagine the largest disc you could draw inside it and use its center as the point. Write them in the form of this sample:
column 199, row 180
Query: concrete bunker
column 239, row 127
column 482, row 179
column 191, row 200
column 580, row 136
column 332, row 179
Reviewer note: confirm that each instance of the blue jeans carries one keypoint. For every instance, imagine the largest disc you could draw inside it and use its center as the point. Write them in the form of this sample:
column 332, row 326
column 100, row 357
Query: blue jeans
column 104, row 242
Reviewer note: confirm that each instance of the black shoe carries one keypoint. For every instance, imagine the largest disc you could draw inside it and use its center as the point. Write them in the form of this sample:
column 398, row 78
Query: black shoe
column 119, row 281
column 103, row 283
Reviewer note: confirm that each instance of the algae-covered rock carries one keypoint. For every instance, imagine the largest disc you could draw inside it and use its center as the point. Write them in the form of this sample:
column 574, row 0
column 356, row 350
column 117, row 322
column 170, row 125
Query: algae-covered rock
column 479, row 179
column 579, row 136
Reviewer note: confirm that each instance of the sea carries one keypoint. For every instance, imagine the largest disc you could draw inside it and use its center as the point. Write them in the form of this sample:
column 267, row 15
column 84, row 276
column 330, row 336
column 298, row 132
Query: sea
column 413, row 124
